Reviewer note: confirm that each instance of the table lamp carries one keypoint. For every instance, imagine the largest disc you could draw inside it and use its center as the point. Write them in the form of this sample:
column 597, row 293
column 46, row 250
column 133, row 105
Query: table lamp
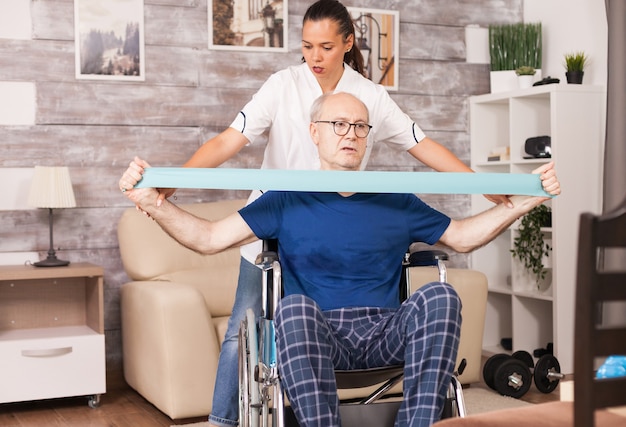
column 52, row 189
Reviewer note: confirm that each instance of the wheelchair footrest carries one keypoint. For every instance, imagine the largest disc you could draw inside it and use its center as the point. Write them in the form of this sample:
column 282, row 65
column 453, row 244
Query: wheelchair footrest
column 379, row 414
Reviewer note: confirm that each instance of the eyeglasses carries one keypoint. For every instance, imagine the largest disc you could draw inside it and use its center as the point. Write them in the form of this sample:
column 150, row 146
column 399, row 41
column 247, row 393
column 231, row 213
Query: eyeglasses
column 341, row 128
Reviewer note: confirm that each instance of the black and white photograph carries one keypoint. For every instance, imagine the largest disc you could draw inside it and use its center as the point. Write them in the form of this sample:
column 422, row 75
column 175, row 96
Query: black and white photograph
column 259, row 25
column 109, row 39
column 377, row 36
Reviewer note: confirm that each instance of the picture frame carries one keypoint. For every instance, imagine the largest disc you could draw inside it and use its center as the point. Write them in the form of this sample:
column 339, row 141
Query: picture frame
column 248, row 25
column 377, row 35
column 109, row 40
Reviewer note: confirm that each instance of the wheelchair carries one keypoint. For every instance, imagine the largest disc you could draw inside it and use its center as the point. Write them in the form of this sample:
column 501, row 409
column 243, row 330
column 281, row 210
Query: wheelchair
column 261, row 397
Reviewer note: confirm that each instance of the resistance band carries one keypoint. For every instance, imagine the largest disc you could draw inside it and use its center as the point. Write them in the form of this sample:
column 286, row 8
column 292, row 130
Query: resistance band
column 344, row 181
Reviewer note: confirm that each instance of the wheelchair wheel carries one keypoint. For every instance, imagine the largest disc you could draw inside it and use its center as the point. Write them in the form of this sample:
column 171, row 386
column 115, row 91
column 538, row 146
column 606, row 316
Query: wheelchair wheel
column 249, row 402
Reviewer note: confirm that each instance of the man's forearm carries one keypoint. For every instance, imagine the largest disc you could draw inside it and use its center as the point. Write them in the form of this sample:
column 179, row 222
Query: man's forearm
column 189, row 230
column 199, row 234
column 476, row 231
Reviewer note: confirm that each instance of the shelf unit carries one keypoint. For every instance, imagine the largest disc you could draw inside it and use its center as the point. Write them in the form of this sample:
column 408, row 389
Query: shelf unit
column 573, row 116
column 52, row 332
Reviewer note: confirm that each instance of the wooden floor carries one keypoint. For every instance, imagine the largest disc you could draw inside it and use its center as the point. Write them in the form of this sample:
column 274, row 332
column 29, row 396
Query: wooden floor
column 123, row 407
column 120, row 406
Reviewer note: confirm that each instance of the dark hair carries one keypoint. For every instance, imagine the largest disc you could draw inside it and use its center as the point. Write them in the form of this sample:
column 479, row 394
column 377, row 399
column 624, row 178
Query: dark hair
column 335, row 11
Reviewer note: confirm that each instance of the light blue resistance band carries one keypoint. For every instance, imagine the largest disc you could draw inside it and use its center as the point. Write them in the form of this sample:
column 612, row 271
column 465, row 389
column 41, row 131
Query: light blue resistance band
column 344, row 181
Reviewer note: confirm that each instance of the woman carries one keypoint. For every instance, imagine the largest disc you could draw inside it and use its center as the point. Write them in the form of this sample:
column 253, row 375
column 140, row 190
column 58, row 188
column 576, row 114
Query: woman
column 332, row 62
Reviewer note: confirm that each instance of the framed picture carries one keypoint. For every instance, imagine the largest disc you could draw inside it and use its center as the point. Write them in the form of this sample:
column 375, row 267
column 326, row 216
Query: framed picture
column 378, row 38
column 248, row 25
column 109, row 37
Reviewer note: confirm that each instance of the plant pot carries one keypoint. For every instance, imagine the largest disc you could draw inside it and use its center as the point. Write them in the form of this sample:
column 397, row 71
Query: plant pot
column 574, row 77
column 524, row 82
column 543, row 286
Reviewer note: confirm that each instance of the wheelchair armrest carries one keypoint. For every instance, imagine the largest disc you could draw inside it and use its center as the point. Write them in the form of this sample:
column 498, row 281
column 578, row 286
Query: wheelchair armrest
column 424, row 258
column 265, row 259
column 269, row 254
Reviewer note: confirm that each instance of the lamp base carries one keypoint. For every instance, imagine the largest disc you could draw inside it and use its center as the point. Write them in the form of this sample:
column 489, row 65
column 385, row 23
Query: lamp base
column 51, row 262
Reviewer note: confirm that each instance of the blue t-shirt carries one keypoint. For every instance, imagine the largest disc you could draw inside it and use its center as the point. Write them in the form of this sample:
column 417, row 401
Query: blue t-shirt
column 344, row 251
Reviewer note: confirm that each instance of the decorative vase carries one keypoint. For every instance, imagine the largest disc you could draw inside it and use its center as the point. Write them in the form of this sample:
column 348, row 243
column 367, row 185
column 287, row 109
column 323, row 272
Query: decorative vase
column 504, row 81
column 525, row 81
column 574, row 77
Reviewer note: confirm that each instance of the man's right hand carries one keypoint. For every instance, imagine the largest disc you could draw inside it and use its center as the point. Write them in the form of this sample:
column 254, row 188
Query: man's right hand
column 144, row 198
column 134, row 174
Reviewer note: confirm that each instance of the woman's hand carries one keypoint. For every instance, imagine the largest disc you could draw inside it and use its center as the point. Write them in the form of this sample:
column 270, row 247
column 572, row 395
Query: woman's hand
column 499, row 199
column 549, row 181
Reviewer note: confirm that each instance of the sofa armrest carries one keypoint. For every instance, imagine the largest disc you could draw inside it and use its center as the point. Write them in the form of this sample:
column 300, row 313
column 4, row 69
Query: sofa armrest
column 170, row 347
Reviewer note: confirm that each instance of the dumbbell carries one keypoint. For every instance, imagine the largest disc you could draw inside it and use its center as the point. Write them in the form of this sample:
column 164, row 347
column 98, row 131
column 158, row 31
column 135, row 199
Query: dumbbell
column 547, row 373
column 511, row 375
column 507, row 374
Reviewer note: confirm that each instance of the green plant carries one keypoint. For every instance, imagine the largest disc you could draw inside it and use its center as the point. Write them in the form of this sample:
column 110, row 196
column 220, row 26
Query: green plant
column 575, row 61
column 529, row 246
column 525, row 70
column 514, row 45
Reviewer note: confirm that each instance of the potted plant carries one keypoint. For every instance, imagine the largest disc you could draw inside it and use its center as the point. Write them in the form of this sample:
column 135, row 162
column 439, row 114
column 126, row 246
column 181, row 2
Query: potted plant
column 510, row 47
column 529, row 245
column 525, row 76
column 575, row 66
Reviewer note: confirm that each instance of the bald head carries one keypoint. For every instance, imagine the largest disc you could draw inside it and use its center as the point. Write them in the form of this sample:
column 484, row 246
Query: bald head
column 341, row 98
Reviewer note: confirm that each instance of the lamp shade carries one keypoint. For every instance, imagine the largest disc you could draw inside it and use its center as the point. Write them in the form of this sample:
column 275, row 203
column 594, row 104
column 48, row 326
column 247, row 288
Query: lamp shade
column 51, row 188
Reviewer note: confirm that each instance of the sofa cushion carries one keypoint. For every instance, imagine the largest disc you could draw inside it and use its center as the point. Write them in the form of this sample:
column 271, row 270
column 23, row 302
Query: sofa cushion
column 217, row 285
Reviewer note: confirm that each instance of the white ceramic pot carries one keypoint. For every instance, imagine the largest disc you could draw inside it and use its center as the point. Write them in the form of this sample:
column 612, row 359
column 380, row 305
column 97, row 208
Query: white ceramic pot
column 524, row 82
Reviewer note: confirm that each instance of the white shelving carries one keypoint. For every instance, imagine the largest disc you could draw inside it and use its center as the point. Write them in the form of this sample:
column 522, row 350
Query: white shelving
column 573, row 116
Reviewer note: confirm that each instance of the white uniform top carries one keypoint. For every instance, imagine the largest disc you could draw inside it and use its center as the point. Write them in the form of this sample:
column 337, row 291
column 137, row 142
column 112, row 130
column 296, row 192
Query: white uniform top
column 282, row 106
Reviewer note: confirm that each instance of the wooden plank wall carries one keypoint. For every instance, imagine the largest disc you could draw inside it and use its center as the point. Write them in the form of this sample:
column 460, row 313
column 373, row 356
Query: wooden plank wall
column 190, row 94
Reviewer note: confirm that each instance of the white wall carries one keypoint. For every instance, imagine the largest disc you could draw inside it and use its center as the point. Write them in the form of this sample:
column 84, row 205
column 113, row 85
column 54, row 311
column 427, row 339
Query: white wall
column 17, row 102
column 17, row 99
column 569, row 26
column 15, row 20
column 17, row 107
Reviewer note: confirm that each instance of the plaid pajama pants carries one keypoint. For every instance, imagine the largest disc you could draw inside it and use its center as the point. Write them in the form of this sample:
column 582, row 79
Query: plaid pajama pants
column 423, row 334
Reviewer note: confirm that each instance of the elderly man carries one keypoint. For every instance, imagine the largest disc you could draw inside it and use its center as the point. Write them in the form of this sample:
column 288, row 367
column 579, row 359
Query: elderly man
column 341, row 256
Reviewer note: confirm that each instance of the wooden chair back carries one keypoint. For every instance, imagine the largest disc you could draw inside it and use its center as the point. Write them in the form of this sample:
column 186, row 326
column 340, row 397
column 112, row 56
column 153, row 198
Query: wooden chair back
column 601, row 237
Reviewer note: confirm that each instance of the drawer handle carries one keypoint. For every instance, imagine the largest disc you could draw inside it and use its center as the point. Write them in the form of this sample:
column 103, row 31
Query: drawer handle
column 48, row 352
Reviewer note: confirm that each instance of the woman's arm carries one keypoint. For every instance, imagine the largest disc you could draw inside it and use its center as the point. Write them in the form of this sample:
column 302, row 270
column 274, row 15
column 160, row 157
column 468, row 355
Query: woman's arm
column 217, row 150
column 211, row 154
column 438, row 157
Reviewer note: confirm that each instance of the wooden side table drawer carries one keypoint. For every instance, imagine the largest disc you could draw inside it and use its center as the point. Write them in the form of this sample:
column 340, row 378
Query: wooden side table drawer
column 71, row 363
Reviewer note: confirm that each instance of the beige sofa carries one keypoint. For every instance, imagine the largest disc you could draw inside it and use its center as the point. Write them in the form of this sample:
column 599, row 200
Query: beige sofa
column 175, row 310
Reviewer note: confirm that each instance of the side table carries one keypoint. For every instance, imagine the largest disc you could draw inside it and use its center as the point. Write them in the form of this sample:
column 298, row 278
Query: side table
column 52, row 332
